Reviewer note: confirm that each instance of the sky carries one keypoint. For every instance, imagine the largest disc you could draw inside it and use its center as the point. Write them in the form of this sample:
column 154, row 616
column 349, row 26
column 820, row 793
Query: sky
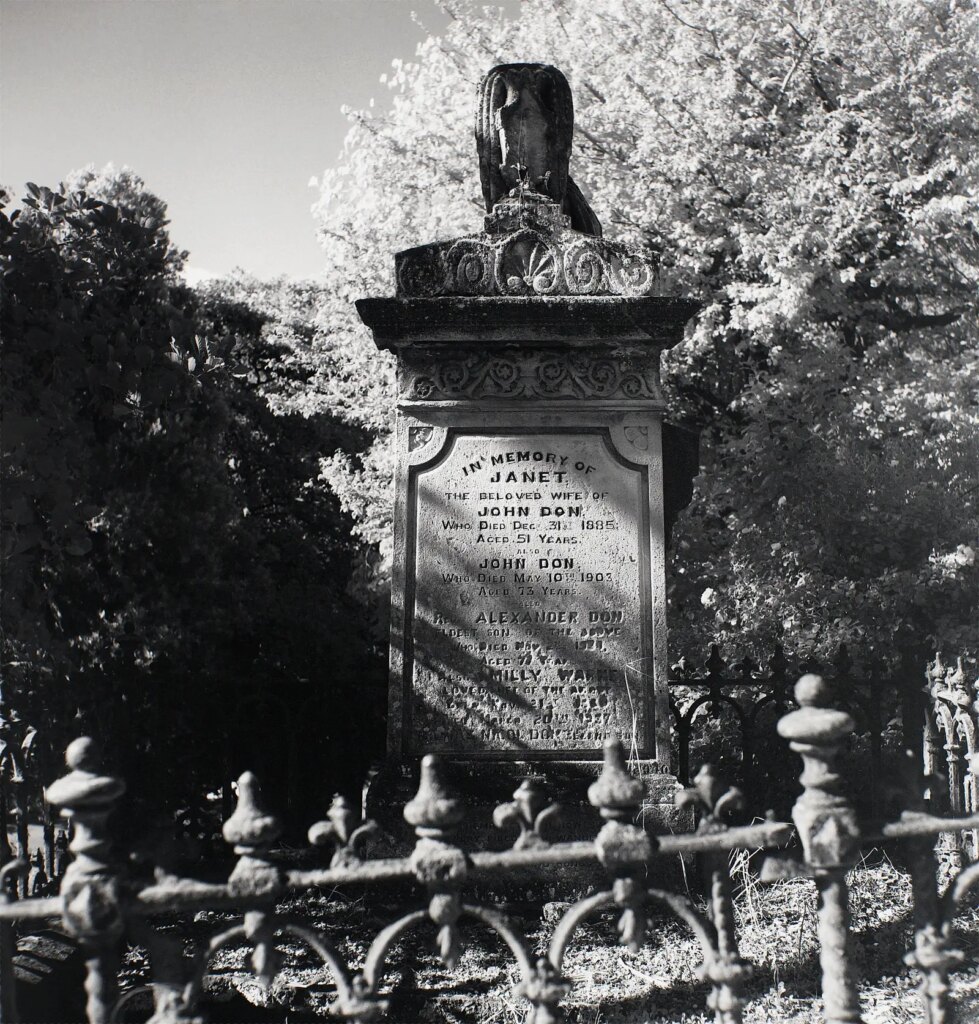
column 226, row 108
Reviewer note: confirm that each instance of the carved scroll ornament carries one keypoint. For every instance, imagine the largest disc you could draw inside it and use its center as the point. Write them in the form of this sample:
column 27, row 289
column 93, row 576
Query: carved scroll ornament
column 516, row 373
column 529, row 250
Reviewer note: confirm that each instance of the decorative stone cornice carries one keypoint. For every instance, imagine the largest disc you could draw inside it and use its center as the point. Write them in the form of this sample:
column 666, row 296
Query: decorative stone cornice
column 651, row 322
column 528, row 248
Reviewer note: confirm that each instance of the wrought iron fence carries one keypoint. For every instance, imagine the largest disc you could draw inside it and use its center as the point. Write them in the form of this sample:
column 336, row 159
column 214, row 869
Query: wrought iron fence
column 752, row 695
column 100, row 905
column 952, row 747
column 750, row 698
column 21, row 763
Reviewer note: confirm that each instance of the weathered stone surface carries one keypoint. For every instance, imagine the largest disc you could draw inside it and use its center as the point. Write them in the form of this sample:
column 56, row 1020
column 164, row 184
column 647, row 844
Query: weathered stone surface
column 524, row 126
column 540, row 373
column 649, row 323
column 540, row 237
column 531, row 578
column 528, row 592
column 529, row 606
column 528, row 248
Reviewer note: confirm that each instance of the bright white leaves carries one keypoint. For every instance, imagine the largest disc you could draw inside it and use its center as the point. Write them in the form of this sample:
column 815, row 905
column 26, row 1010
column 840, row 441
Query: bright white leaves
column 809, row 172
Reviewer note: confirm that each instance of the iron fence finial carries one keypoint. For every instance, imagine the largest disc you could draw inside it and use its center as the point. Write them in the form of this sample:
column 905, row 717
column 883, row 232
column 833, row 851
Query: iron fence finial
column 345, row 830
column 826, row 821
column 531, row 811
column 616, row 793
column 252, row 830
column 250, row 826
column 91, row 890
column 433, row 812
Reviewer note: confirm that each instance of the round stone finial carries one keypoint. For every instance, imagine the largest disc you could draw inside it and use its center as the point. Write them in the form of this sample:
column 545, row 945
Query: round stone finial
column 84, row 787
column 817, row 721
column 83, row 755
column 812, row 691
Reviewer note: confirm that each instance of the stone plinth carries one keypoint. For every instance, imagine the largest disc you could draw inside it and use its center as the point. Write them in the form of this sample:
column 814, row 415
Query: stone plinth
column 528, row 597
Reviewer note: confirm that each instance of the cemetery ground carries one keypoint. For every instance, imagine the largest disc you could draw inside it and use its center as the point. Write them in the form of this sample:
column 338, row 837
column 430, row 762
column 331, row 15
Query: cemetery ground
column 611, row 985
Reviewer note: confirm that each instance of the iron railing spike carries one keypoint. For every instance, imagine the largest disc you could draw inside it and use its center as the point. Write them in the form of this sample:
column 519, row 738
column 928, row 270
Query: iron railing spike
column 616, row 793
column 97, row 904
column 250, row 826
column 434, row 811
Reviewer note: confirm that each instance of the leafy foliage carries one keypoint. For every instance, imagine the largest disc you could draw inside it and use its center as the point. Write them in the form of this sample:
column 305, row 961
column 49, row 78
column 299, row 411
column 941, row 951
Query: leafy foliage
column 183, row 470
column 172, row 571
column 807, row 171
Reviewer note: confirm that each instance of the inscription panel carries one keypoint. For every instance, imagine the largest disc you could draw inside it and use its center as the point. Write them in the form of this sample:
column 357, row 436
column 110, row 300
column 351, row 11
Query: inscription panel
column 528, row 596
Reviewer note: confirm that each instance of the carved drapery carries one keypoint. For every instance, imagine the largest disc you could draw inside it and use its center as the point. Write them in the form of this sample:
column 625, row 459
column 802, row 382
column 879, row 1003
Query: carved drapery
column 524, row 128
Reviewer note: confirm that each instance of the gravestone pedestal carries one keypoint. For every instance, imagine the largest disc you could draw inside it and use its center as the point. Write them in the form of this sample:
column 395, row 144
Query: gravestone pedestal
column 528, row 597
column 528, row 619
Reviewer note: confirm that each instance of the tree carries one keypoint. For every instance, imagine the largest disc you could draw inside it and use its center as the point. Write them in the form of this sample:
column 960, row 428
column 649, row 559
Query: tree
column 173, row 576
column 311, row 635
column 100, row 400
column 807, row 171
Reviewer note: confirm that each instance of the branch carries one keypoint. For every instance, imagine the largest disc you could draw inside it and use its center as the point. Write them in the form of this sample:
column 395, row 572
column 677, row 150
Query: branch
column 601, row 145
column 745, row 77
column 641, row 90
column 829, row 104
column 785, row 82
column 899, row 319
column 664, row 118
column 696, row 28
column 594, row 92
column 619, row 217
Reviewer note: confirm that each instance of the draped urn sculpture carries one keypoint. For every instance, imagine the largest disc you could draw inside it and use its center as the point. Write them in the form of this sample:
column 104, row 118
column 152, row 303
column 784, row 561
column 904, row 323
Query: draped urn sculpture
column 524, row 126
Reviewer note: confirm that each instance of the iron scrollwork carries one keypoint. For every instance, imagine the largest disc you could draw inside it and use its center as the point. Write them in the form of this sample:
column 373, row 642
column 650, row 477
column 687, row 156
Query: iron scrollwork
column 99, row 902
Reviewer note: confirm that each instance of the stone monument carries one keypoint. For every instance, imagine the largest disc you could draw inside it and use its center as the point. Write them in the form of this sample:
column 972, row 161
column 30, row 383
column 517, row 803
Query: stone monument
column 531, row 510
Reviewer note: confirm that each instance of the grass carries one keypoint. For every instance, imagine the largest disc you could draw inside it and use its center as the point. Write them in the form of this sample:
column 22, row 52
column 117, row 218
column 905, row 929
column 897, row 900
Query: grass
column 777, row 933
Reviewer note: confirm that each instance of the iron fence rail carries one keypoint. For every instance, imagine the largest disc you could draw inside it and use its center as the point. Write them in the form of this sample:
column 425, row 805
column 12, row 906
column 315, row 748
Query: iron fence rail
column 100, row 905
column 754, row 695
